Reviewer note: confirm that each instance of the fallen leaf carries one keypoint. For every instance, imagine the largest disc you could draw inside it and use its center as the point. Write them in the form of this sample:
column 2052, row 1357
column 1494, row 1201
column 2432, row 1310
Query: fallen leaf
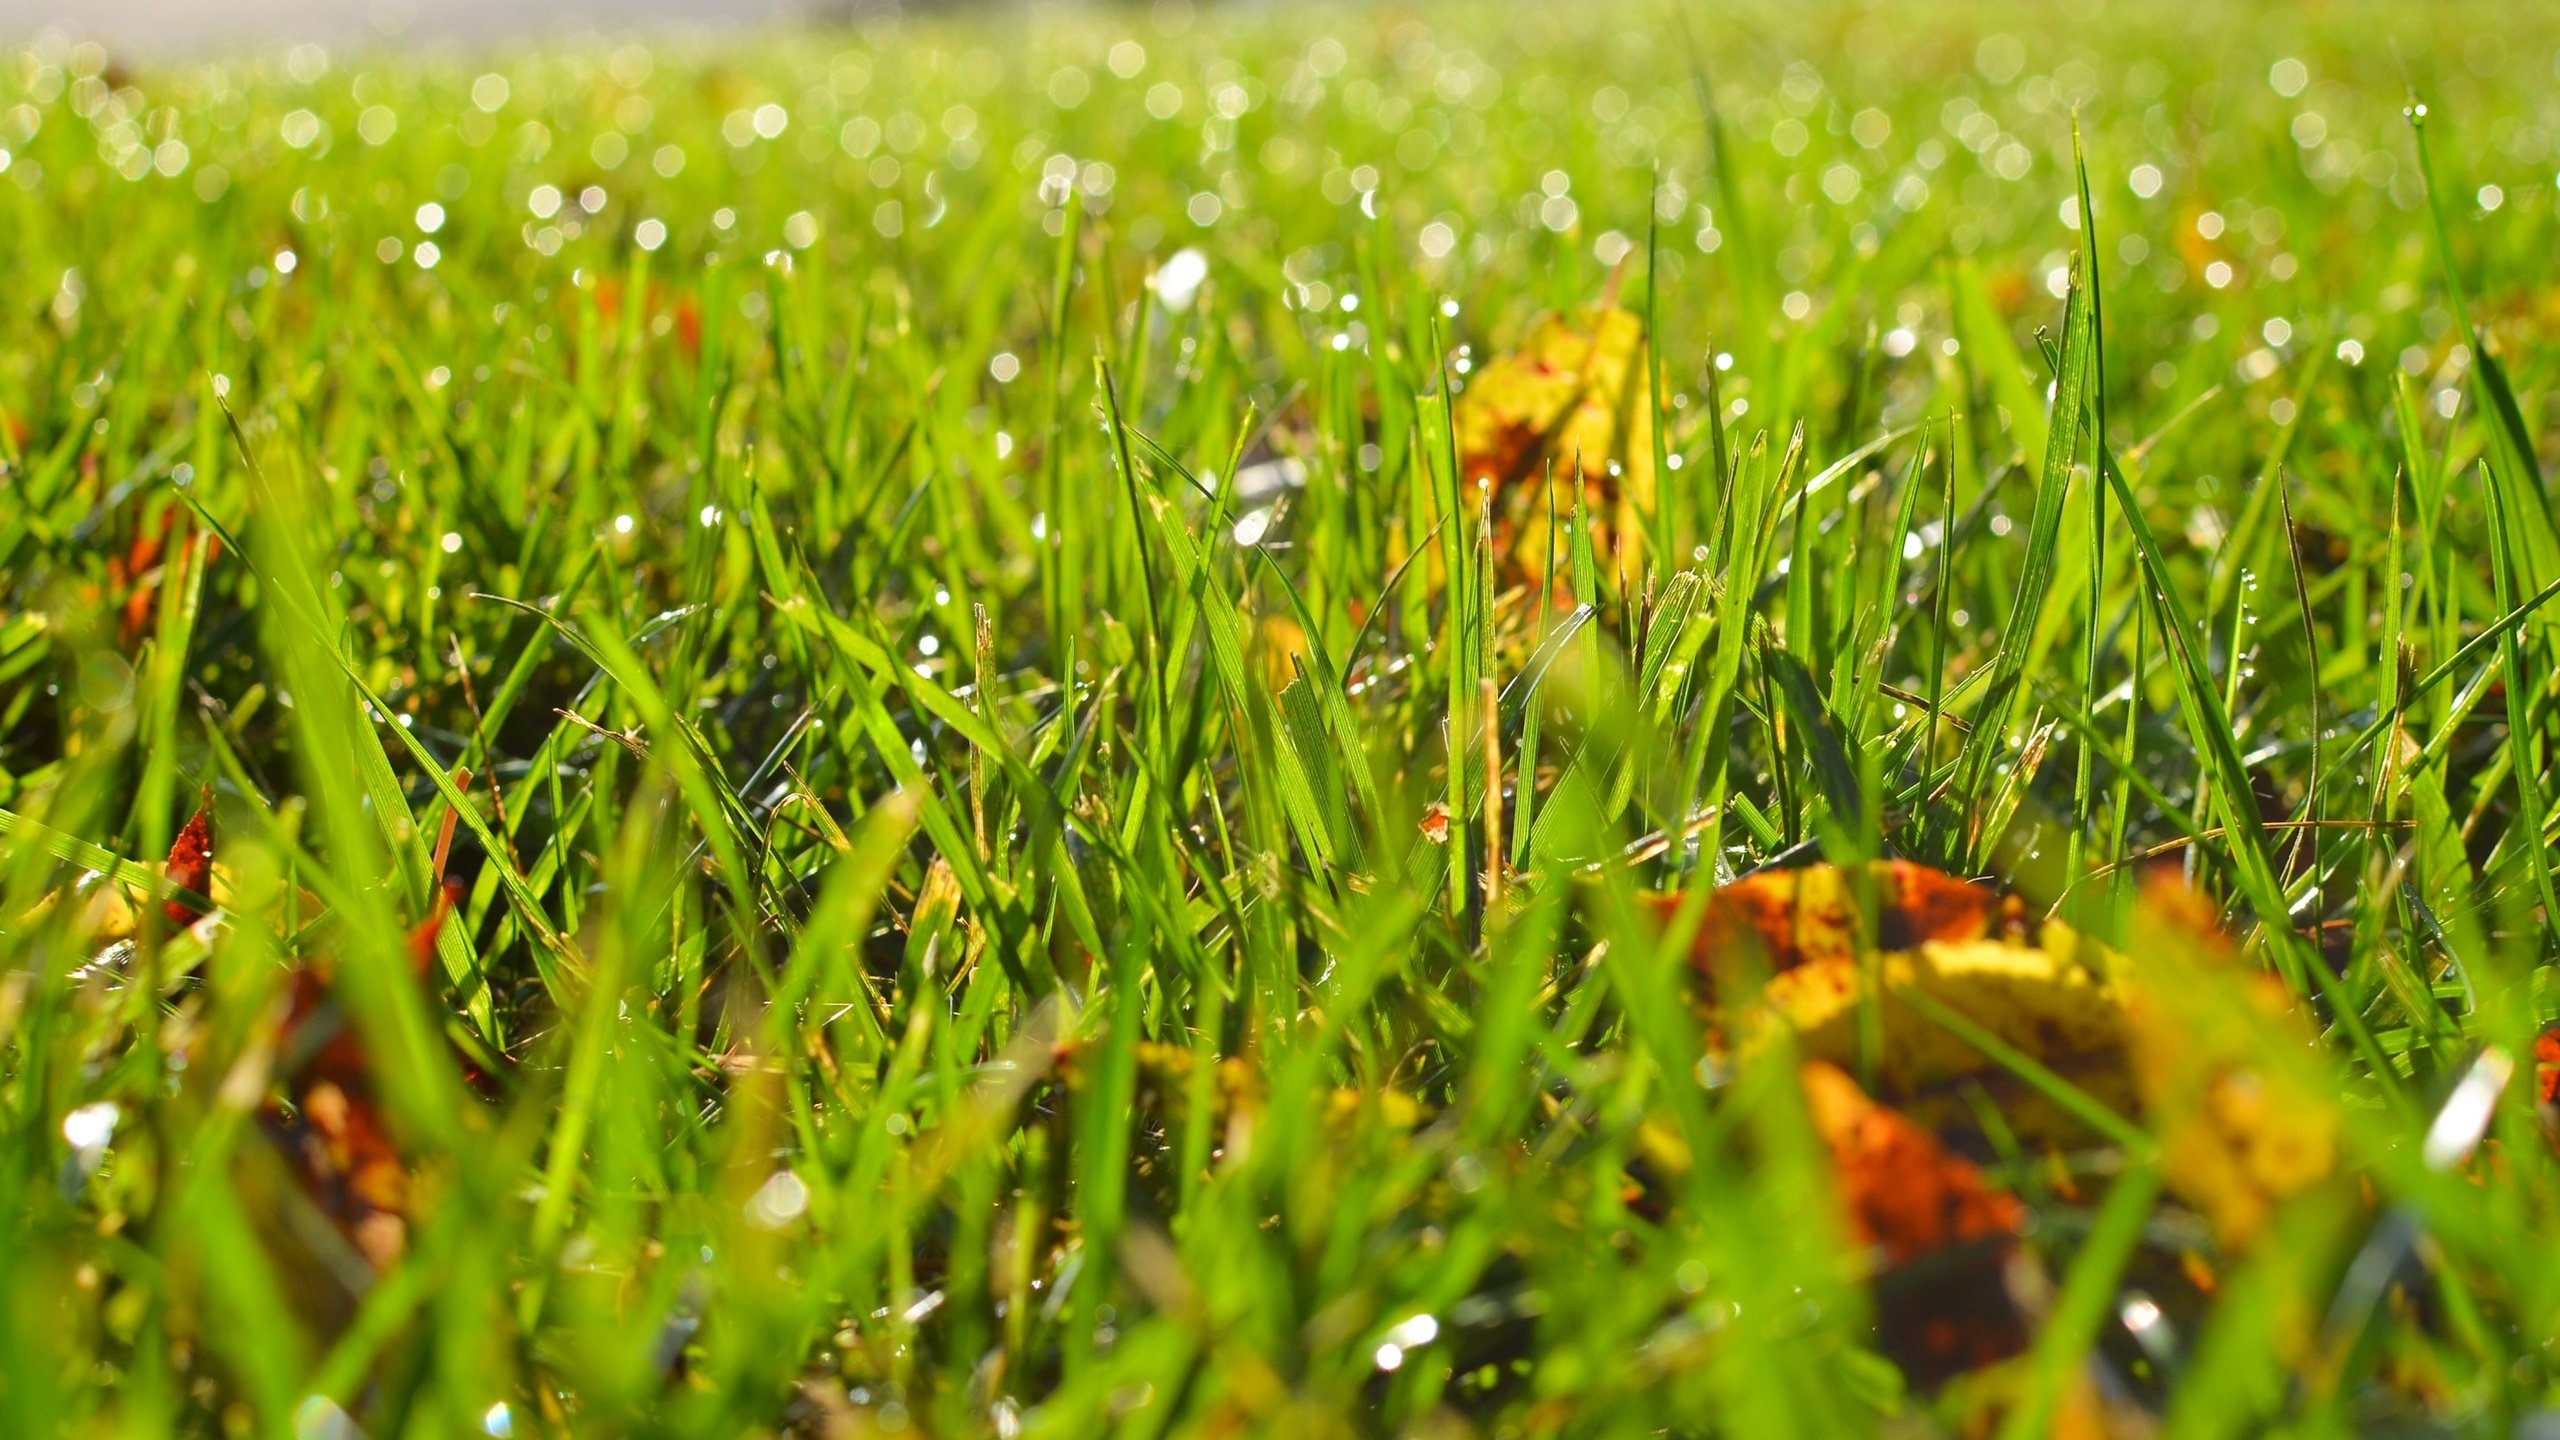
column 1435, row 822
column 345, row 1157
column 1906, row 1193
column 1853, row 958
column 1798, row 916
column 1279, row 643
column 660, row 303
column 2228, row 1069
column 105, row 912
column 1943, row 1240
column 190, row 865
column 2216, row 1057
column 2040, row 999
column 1569, row 404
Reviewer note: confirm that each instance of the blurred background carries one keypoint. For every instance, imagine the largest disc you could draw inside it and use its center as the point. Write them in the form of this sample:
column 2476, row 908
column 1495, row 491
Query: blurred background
column 161, row 25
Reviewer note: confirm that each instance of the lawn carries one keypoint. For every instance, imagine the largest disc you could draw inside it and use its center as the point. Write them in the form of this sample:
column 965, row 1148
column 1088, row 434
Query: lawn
column 1025, row 722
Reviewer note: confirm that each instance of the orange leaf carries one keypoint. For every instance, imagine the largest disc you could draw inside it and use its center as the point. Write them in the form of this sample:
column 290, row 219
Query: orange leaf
column 422, row 940
column 1797, row 916
column 190, row 864
column 1906, row 1193
column 1944, row 1238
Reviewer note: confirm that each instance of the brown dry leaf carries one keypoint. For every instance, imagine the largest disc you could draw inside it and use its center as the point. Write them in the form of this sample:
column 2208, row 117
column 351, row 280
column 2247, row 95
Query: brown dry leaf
column 2228, row 1069
column 1944, row 1240
column 343, row 1152
column 1570, row 401
column 324, row 1110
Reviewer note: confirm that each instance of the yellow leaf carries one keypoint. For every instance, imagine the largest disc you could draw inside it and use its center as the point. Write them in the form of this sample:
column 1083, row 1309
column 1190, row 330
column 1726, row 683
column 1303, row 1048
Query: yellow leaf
column 1278, row 643
column 2039, row 999
column 1571, row 402
column 2228, row 1069
column 1825, row 937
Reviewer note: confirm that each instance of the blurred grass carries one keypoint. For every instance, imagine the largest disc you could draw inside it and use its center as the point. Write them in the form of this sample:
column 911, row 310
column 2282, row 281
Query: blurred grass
column 858, row 501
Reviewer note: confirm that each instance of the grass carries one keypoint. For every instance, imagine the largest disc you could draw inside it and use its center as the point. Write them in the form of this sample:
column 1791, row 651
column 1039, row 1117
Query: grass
column 919, row 572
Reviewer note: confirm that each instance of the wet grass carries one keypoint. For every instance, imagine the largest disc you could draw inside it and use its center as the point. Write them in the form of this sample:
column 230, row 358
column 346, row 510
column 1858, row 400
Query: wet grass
column 919, row 570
